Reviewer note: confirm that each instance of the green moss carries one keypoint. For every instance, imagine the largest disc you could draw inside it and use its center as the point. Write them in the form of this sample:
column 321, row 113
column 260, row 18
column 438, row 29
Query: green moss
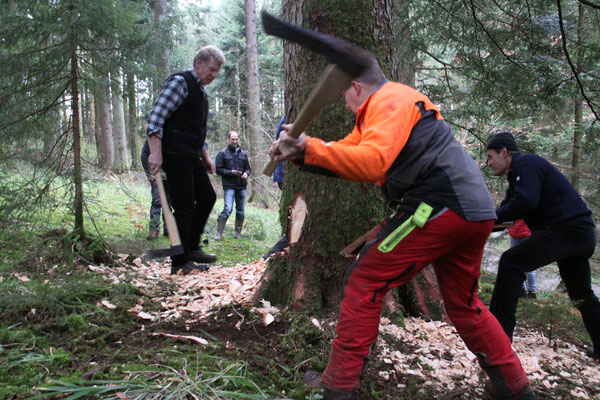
column 75, row 323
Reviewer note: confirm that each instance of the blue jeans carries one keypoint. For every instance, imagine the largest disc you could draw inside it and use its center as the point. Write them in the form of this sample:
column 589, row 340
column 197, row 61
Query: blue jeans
column 231, row 195
column 529, row 283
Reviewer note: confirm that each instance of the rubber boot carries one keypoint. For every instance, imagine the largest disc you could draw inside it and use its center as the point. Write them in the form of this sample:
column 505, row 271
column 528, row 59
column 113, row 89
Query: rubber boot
column 239, row 223
column 221, row 221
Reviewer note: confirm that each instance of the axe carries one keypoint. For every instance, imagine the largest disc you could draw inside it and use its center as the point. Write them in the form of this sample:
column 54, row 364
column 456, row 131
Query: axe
column 176, row 246
column 345, row 65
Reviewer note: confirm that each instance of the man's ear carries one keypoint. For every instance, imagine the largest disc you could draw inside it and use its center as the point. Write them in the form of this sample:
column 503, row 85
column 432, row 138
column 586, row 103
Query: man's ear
column 357, row 87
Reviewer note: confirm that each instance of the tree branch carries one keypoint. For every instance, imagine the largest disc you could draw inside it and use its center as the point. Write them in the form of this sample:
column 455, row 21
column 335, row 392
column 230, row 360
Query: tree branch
column 489, row 35
column 570, row 62
column 589, row 3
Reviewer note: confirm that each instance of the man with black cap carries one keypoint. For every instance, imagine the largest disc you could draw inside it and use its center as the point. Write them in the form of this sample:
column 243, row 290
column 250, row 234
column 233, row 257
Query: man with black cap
column 562, row 231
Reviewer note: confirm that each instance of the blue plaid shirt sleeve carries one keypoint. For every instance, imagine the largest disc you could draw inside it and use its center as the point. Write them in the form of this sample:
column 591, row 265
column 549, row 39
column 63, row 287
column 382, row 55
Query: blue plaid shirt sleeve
column 173, row 92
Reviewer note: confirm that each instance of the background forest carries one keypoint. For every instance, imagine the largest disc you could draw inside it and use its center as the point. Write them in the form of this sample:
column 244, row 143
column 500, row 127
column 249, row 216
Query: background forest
column 78, row 79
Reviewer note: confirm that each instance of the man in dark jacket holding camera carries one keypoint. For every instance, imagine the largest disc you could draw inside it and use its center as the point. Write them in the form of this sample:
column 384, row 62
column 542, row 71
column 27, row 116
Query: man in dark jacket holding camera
column 234, row 169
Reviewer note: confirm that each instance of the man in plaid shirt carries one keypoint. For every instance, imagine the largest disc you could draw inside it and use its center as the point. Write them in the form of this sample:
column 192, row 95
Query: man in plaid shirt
column 176, row 135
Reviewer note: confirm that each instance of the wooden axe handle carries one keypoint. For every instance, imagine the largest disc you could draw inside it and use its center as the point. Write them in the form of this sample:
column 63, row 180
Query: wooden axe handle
column 169, row 218
column 328, row 90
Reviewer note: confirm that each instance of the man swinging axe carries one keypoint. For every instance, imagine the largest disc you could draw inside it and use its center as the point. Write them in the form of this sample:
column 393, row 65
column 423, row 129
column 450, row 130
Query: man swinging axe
column 444, row 214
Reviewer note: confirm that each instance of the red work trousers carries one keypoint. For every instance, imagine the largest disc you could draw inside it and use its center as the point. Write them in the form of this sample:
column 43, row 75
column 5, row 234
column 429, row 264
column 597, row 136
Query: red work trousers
column 454, row 246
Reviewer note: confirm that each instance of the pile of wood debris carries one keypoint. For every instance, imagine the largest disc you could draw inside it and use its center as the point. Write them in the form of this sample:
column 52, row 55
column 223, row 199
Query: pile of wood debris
column 441, row 356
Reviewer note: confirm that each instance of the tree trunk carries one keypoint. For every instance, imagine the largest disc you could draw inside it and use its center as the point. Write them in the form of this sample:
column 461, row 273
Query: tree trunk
column 132, row 122
column 103, row 116
column 578, row 129
column 160, row 13
column 256, row 157
column 77, row 177
column 338, row 211
column 121, row 162
column 310, row 275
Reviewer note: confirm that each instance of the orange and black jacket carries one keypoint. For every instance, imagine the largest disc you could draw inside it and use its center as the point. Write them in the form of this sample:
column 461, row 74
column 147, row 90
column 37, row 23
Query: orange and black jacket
column 402, row 143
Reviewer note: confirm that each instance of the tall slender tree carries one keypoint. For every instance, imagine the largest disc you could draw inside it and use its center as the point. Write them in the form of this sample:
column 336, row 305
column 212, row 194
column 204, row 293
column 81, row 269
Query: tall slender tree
column 121, row 159
column 257, row 155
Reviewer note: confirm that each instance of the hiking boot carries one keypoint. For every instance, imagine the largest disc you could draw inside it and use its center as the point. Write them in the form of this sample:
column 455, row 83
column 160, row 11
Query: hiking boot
column 532, row 295
column 188, row 267
column 495, row 393
column 152, row 235
column 313, row 380
column 592, row 354
column 200, row 256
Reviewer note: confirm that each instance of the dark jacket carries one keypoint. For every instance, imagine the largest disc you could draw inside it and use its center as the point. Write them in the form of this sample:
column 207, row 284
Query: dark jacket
column 229, row 159
column 435, row 168
column 541, row 195
column 184, row 131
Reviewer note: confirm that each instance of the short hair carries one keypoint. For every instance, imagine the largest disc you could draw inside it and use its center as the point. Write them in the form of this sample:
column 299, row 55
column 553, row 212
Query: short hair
column 207, row 52
column 373, row 73
column 229, row 134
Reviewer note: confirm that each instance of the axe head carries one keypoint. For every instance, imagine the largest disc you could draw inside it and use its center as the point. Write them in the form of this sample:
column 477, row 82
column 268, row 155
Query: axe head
column 348, row 57
column 157, row 253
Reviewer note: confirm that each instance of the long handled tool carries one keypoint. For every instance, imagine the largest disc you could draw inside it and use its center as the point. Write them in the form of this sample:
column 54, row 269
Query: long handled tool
column 346, row 64
column 176, row 246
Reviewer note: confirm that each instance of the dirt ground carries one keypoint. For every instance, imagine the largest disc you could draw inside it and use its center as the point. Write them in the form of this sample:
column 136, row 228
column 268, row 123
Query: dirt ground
column 423, row 360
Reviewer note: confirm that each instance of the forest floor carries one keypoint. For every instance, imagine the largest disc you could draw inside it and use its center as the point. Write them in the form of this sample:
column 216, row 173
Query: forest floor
column 71, row 328
column 422, row 360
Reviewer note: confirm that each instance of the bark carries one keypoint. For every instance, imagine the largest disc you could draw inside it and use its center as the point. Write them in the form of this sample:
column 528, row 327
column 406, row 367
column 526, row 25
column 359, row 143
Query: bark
column 311, row 274
column 120, row 162
column 256, row 154
column 160, row 13
column 91, row 117
column 89, row 120
column 103, row 117
column 132, row 123
column 77, row 176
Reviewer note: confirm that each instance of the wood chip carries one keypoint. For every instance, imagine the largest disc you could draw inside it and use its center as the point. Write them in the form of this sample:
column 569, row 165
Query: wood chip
column 185, row 337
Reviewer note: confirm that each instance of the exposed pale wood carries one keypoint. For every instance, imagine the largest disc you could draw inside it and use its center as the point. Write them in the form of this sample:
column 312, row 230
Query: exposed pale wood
column 298, row 213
